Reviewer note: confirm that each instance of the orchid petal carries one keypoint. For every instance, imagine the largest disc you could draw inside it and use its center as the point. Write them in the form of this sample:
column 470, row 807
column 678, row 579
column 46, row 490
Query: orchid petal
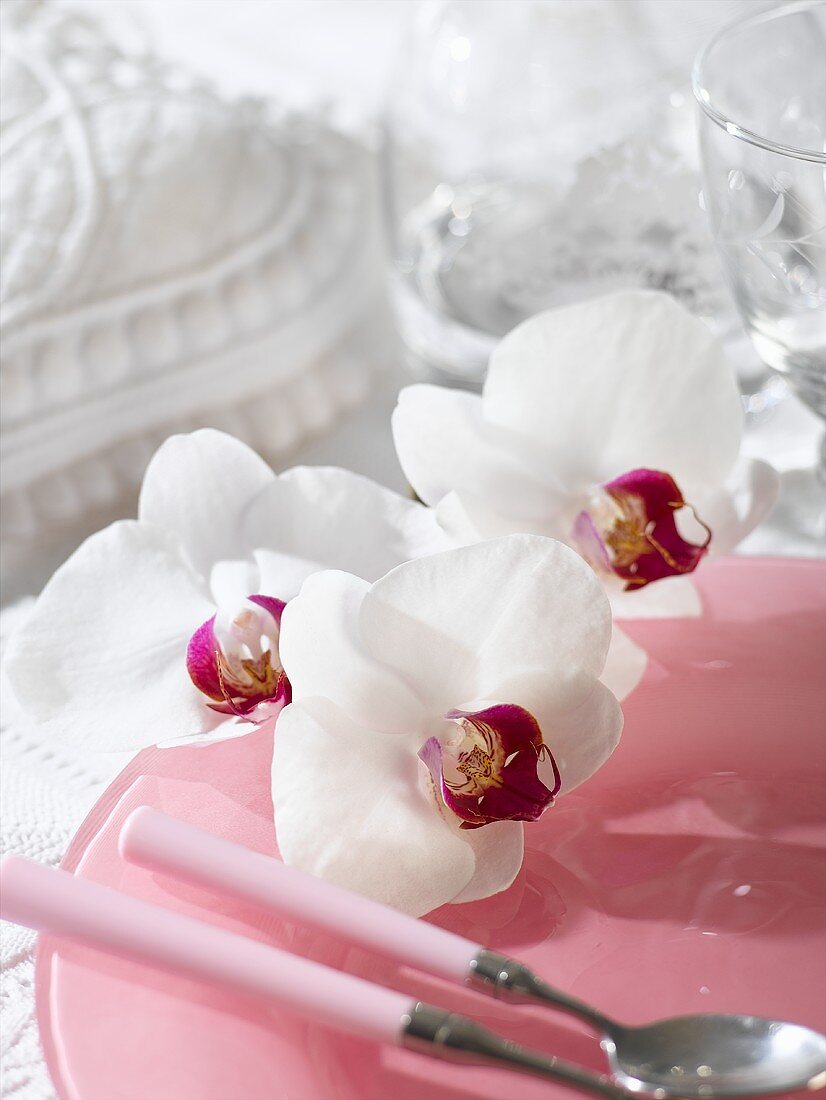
column 349, row 808
column 466, row 518
column 312, row 518
column 444, row 444
column 672, row 598
column 323, row 655
column 581, row 739
column 230, row 581
column 283, row 573
column 499, row 849
column 749, row 494
column 620, row 382
column 220, row 728
column 625, row 665
column 198, row 487
column 102, row 656
column 477, row 622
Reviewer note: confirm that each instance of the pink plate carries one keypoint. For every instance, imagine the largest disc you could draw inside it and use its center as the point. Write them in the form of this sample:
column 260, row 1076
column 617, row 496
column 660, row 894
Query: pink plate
column 687, row 876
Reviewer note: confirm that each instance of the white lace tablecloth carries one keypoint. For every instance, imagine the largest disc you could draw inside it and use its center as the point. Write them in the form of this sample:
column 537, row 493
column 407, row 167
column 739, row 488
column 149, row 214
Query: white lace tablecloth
column 307, row 51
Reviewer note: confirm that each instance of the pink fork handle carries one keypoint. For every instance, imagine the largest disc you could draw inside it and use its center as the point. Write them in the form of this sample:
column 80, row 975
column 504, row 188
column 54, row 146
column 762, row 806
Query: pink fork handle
column 161, row 843
column 57, row 902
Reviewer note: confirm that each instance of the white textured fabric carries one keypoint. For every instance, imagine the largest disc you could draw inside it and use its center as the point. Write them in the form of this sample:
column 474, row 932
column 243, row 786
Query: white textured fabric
column 171, row 258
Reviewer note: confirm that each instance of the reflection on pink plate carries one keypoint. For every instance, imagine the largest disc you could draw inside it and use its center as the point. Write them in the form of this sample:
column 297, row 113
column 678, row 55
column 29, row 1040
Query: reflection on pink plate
column 686, row 877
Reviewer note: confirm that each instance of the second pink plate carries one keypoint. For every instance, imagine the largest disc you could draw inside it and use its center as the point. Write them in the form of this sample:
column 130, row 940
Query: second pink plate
column 687, row 876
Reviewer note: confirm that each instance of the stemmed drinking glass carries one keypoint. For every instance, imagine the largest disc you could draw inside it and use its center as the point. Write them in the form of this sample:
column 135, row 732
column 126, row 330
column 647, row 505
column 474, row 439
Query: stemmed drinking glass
column 761, row 88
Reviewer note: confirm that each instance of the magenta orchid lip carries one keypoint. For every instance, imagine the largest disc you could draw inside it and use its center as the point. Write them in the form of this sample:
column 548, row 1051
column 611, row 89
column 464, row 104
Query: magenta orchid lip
column 233, row 658
column 630, row 529
column 490, row 770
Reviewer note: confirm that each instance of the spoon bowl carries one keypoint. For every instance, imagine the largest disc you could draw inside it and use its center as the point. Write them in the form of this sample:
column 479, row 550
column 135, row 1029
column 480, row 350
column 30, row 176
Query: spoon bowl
column 687, row 1057
column 710, row 1056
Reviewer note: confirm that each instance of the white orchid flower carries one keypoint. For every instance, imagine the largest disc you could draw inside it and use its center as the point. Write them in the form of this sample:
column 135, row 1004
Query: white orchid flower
column 434, row 712
column 166, row 629
column 614, row 425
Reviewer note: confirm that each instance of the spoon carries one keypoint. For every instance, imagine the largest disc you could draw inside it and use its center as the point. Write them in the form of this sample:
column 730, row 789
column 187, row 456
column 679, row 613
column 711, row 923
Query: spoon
column 688, row 1057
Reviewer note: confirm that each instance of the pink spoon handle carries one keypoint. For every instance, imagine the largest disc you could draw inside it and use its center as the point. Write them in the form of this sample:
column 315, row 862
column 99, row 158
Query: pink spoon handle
column 57, row 902
column 161, row 843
